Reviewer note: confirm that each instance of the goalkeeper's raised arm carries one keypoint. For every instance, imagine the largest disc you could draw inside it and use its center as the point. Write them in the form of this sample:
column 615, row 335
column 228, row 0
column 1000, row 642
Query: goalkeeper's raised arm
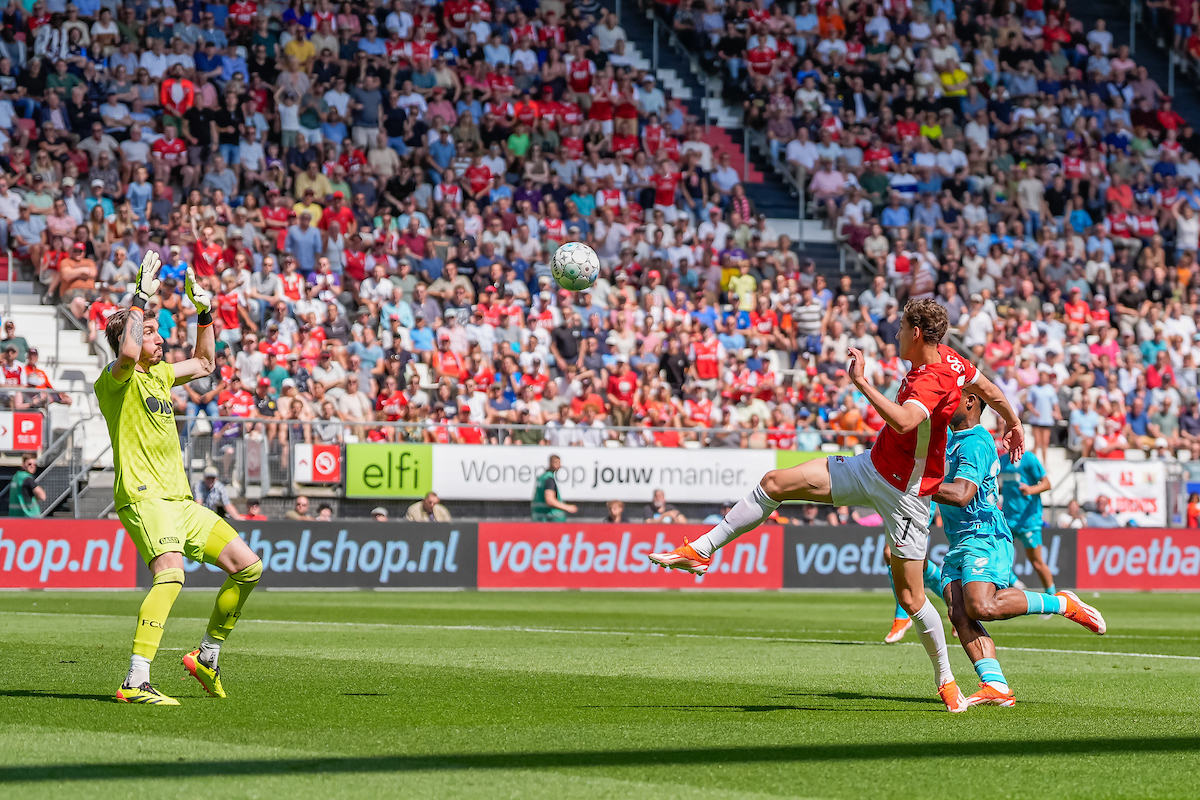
column 202, row 361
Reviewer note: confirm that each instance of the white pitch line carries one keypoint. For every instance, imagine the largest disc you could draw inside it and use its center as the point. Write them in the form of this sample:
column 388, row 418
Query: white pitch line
column 595, row 632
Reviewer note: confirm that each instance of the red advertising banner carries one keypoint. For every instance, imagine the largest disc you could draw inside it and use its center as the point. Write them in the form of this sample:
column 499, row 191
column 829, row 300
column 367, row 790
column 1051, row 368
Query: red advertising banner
column 20, row 431
column 601, row 556
column 1138, row 558
column 46, row 554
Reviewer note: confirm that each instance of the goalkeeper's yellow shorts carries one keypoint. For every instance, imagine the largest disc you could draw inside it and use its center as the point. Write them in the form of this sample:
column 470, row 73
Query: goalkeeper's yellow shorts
column 159, row 526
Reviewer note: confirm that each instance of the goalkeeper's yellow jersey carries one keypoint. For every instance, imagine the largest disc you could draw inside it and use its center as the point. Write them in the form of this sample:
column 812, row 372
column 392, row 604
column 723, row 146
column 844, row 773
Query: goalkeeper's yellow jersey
column 141, row 424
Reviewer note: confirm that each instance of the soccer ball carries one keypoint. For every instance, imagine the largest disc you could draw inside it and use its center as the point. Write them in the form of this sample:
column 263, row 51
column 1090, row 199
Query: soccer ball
column 575, row 266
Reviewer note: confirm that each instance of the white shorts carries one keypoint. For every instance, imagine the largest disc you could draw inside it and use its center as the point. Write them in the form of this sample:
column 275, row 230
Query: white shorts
column 854, row 481
column 670, row 213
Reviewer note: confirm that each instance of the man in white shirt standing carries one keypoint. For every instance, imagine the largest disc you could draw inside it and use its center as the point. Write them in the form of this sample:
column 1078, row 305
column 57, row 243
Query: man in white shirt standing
column 609, row 32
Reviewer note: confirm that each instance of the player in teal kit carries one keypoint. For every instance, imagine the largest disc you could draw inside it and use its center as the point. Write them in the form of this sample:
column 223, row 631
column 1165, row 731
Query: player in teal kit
column 975, row 573
column 1021, row 487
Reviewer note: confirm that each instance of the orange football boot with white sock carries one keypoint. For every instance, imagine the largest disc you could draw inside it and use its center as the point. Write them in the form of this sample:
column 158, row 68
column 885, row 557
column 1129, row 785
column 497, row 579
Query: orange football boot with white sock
column 955, row 702
column 899, row 628
column 1081, row 612
column 683, row 557
column 989, row 695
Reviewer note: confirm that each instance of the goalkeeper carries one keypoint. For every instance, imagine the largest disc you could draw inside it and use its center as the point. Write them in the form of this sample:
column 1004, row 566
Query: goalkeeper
column 151, row 492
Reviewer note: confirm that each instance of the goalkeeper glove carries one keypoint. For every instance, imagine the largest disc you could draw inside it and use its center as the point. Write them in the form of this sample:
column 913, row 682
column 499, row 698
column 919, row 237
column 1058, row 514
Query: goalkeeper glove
column 201, row 298
column 147, row 279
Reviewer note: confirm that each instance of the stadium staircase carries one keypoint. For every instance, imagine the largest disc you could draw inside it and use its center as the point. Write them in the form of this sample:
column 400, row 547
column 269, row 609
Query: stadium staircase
column 1146, row 52
column 76, row 435
column 682, row 73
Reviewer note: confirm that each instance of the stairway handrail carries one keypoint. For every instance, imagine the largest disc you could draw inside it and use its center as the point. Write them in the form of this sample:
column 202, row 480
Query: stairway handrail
column 74, row 481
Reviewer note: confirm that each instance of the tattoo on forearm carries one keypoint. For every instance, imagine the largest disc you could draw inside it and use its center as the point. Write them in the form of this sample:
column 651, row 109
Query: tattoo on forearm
column 134, row 329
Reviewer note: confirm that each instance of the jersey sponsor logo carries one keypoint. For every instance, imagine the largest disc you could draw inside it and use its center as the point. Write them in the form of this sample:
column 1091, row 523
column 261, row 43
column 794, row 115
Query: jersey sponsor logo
column 157, row 406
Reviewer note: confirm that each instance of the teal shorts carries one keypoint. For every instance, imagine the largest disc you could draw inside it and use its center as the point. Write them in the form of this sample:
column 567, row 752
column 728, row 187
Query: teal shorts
column 979, row 559
column 1030, row 539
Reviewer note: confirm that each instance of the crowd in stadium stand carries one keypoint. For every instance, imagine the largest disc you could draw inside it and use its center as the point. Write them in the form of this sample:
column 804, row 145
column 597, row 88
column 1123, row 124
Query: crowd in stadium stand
column 374, row 192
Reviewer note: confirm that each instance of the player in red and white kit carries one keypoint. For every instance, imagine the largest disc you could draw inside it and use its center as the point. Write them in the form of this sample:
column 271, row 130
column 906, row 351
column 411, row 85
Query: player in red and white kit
column 896, row 477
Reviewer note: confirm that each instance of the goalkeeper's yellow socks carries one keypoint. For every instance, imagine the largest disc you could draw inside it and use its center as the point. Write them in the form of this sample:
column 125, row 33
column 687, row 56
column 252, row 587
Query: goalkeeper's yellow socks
column 227, row 610
column 152, row 620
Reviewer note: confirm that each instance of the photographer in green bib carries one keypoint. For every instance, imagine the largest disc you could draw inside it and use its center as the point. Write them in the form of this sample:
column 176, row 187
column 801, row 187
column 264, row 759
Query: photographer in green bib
column 25, row 497
column 547, row 506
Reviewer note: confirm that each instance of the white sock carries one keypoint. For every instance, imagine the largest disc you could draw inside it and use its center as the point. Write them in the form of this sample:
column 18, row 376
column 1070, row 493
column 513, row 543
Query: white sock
column 210, row 649
column 998, row 686
column 747, row 515
column 933, row 636
column 139, row 671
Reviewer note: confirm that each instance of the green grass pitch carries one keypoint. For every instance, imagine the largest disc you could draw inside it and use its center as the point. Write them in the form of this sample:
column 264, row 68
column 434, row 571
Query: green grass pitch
column 566, row 695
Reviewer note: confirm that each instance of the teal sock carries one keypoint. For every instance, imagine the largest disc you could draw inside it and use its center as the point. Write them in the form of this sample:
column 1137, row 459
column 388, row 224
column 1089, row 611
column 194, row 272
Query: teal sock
column 1041, row 603
column 989, row 671
column 933, row 579
column 900, row 613
column 1051, row 589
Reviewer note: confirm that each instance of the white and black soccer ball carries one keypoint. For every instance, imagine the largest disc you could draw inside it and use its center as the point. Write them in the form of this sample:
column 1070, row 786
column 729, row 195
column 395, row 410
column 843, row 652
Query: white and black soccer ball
column 575, row 266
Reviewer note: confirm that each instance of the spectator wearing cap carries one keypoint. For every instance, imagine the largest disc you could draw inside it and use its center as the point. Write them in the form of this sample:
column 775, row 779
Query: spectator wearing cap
column 211, row 493
column 96, row 197
column 75, row 277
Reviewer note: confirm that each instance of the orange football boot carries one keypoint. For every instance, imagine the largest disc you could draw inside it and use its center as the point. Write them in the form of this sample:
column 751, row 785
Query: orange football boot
column 952, row 697
column 899, row 628
column 683, row 557
column 1081, row 612
column 990, row 696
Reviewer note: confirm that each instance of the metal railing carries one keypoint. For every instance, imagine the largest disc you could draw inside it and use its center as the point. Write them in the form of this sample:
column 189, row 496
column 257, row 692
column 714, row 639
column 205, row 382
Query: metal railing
column 796, row 180
column 9, row 280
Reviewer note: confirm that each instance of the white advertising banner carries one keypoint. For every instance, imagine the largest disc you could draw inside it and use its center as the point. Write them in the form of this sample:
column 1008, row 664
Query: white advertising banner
column 483, row 472
column 1137, row 489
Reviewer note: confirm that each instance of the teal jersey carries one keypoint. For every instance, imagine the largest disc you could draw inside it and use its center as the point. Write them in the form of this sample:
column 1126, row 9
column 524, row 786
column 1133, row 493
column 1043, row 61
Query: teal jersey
column 971, row 454
column 1023, row 512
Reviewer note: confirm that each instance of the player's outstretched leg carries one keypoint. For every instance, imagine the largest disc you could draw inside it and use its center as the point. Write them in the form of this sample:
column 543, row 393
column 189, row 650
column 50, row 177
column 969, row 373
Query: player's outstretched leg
column 225, row 549
column 807, row 481
column 152, row 620
column 1009, row 603
column 979, row 647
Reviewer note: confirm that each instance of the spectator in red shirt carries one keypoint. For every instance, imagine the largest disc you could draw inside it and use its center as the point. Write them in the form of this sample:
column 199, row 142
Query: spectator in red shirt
column 621, row 387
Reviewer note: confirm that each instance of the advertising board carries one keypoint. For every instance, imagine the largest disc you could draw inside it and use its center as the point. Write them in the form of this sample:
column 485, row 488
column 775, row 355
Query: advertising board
column 86, row 554
column 1138, row 558
column 603, row 556
column 368, row 555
